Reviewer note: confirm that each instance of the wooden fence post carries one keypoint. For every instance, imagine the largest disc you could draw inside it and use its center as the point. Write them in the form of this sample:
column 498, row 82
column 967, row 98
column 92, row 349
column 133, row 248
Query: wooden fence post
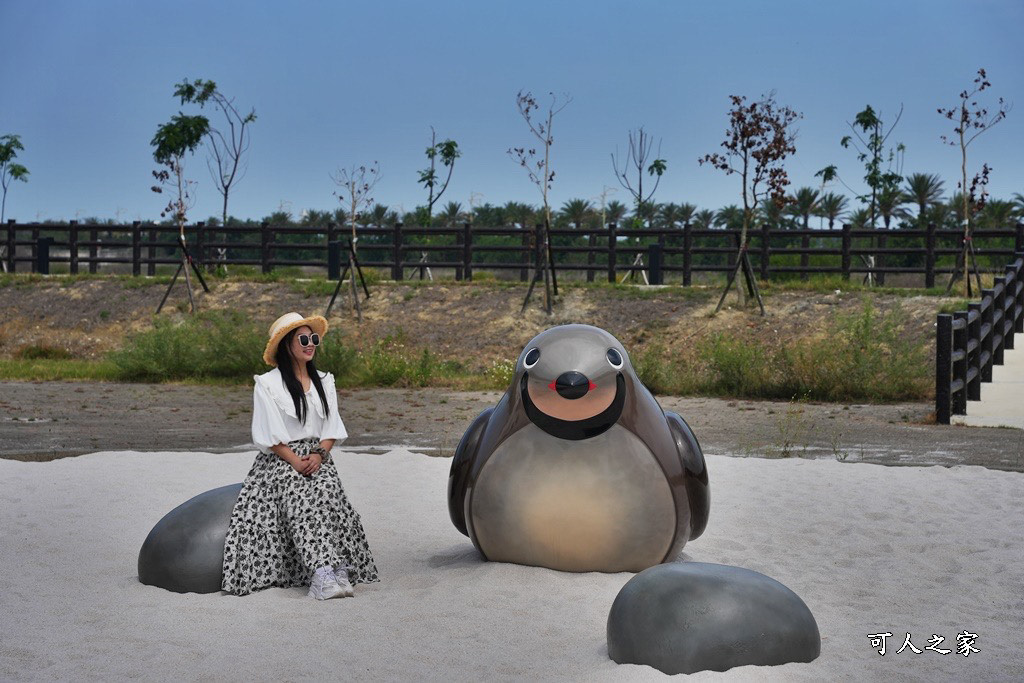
column 200, row 243
column 988, row 343
column 612, row 237
column 397, row 272
column 265, row 236
column 136, row 249
column 805, row 258
column 883, row 239
column 961, row 366
column 73, row 247
column 846, row 251
column 766, row 241
column 93, row 249
column 591, row 256
column 524, row 272
column 151, row 252
column 467, row 252
column 687, row 254
column 1009, row 280
column 929, row 256
column 458, row 256
column 999, row 301
column 1018, row 242
column 34, row 247
column 974, row 332
column 11, row 244
column 332, row 229
column 943, row 367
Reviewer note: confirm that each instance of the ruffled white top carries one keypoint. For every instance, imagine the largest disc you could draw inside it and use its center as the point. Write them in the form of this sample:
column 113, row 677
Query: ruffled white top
column 274, row 420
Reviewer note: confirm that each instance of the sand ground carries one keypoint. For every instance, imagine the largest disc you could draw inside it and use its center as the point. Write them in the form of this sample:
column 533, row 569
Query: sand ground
column 919, row 550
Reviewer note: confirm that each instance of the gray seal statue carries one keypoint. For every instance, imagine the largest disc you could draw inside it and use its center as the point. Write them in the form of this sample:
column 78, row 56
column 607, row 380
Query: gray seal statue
column 577, row 468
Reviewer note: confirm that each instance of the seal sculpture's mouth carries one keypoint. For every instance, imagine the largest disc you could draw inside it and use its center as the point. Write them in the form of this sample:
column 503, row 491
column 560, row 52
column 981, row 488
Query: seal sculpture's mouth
column 572, row 429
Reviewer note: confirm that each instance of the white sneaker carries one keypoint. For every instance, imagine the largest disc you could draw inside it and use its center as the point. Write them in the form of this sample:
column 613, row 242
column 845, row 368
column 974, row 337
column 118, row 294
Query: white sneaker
column 341, row 576
column 324, row 586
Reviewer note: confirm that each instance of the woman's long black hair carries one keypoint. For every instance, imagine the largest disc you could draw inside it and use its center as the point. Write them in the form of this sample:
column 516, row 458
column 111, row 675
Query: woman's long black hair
column 284, row 362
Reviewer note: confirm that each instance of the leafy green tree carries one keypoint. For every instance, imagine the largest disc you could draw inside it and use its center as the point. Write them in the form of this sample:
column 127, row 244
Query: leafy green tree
column 447, row 151
column 10, row 145
column 729, row 218
column 882, row 164
column 227, row 144
column 890, row 202
column 638, row 159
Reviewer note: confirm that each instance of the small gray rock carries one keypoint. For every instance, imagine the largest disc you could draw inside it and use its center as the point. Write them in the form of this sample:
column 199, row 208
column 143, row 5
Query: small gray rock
column 695, row 616
column 184, row 552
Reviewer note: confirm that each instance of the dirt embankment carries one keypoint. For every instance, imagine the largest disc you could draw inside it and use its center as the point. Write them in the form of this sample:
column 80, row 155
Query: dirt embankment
column 475, row 324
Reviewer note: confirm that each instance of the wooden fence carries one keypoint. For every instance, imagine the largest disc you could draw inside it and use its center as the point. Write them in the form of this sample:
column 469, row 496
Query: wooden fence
column 683, row 251
column 969, row 343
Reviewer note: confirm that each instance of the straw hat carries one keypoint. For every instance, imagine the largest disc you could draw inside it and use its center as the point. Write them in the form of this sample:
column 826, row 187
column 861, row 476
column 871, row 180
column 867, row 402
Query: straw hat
column 285, row 324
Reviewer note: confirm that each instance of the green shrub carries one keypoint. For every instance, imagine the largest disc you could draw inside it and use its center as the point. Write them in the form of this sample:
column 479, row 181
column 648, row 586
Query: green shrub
column 42, row 352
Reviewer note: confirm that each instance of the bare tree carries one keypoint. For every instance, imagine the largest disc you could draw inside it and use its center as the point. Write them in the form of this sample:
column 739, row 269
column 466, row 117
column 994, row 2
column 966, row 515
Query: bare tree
column 637, row 154
column 227, row 145
column 357, row 183
column 971, row 121
column 540, row 173
column 757, row 142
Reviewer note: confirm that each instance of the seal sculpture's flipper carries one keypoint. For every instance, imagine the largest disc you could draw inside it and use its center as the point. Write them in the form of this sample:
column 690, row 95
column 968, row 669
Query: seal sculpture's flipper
column 697, row 489
column 465, row 453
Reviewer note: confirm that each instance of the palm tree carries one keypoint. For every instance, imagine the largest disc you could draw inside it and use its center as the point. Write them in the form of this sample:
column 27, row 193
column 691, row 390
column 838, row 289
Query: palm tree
column 925, row 190
column 998, row 214
column 576, row 211
column 521, row 214
column 729, row 217
column 668, row 215
column 771, row 214
column 703, row 219
column 379, row 213
column 803, row 204
column 1018, row 203
column 614, row 212
column 831, row 206
column 452, row 213
column 644, row 214
column 890, row 201
column 316, row 218
column 860, row 219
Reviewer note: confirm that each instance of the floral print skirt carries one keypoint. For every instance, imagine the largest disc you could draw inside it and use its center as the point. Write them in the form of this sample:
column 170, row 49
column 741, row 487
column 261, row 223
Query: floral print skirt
column 286, row 525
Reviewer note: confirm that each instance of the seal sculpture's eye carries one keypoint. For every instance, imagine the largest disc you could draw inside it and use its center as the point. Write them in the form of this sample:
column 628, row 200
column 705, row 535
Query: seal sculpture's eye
column 531, row 358
column 615, row 358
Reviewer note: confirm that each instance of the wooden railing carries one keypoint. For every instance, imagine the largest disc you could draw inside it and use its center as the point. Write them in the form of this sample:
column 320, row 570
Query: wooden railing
column 969, row 343
column 683, row 250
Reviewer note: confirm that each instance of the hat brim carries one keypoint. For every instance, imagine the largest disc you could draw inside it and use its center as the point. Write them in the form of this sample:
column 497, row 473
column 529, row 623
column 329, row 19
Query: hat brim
column 317, row 323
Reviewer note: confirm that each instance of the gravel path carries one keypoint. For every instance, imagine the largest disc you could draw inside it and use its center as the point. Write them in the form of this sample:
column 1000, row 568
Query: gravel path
column 48, row 420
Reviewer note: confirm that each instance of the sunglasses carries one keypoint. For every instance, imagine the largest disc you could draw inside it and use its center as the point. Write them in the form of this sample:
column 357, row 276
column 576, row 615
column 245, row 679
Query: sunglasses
column 307, row 339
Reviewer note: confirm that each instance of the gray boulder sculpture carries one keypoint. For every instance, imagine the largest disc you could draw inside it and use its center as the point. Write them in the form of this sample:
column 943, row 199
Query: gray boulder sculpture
column 682, row 618
column 184, row 552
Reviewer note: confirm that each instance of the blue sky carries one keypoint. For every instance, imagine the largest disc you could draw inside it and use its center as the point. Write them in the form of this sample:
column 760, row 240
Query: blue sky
column 334, row 84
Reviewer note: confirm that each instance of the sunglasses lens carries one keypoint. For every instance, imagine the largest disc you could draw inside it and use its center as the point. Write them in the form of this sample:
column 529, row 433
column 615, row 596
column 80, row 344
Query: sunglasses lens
column 307, row 339
column 315, row 339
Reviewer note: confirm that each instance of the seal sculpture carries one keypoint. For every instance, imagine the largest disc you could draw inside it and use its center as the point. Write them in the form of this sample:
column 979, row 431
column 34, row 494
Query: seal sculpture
column 577, row 468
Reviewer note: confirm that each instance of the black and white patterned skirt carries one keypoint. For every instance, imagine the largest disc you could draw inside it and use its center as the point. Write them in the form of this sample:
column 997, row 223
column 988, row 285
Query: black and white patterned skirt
column 286, row 525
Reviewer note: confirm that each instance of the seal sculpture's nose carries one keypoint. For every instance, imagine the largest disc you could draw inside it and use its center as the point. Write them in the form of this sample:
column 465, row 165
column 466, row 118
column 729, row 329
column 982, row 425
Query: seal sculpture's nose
column 572, row 384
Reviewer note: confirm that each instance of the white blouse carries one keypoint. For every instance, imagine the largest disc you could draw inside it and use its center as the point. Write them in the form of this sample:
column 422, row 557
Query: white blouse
column 274, row 420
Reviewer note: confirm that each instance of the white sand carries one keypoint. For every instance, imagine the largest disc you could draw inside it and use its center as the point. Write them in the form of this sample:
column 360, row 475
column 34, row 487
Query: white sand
column 868, row 548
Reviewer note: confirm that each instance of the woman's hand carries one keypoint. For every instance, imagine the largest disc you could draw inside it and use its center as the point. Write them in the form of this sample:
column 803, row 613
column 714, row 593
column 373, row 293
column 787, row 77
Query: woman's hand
column 308, row 465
